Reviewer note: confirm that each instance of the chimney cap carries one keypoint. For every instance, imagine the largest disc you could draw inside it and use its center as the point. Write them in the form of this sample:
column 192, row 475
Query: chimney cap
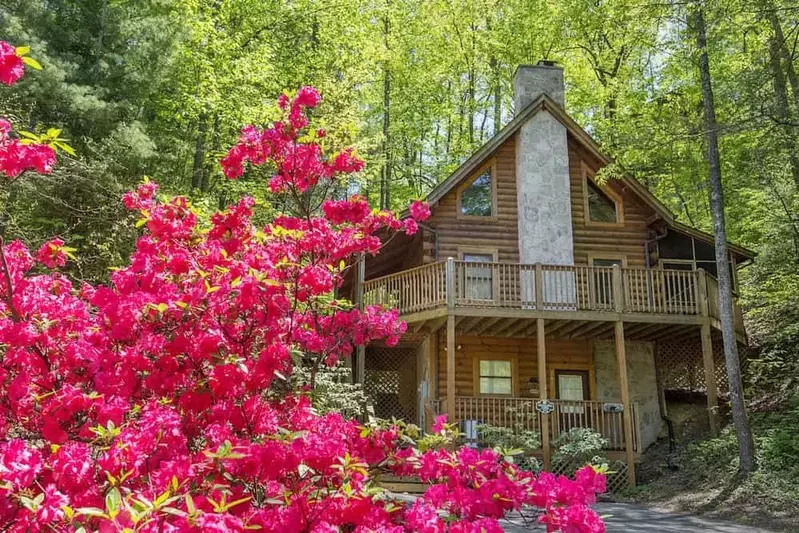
column 547, row 63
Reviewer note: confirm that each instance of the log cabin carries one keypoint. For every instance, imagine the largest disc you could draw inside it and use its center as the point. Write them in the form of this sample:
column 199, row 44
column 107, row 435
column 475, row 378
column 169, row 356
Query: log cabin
column 534, row 285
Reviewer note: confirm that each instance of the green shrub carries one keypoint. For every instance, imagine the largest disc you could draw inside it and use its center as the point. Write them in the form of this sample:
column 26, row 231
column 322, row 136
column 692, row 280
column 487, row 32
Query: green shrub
column 580, row 446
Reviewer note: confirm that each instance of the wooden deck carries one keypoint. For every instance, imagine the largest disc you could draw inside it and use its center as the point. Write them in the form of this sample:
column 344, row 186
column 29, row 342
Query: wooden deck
column 553, row 292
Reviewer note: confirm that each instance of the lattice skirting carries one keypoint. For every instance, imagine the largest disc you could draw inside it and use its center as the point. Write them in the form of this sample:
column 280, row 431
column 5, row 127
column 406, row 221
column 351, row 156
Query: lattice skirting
column 390, row 382
column 680, row 366
column 616, row 477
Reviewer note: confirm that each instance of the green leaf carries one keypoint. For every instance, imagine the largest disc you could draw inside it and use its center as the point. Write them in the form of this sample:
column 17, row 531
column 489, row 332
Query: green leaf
column 22, row 50
column 90, row 511
column 66, row 148
column 53, row 133
column 32, row 63
column 113, row 501
column 29, row 135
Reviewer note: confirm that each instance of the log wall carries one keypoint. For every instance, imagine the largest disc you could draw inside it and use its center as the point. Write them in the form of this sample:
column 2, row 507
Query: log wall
column 500, row 232
column 561, row 354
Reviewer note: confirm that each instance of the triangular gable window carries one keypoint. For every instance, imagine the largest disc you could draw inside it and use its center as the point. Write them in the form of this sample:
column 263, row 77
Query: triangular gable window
column 477, row 200
column 601, row 207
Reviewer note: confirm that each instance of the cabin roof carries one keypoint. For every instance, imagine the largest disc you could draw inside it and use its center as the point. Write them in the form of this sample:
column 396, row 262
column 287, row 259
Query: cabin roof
column 587, row 142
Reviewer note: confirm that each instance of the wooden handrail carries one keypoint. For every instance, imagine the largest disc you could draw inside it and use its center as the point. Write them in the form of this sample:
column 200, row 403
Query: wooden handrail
column 520, row 414
column 546, row 287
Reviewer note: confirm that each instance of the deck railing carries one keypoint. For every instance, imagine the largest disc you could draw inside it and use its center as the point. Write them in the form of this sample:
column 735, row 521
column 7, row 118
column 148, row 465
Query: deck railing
column 560, row 288
column 520, row 414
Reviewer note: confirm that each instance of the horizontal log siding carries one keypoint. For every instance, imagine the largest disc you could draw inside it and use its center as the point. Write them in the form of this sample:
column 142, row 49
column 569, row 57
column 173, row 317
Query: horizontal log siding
column 596, row 240
column 501, row 233
column 559, row 352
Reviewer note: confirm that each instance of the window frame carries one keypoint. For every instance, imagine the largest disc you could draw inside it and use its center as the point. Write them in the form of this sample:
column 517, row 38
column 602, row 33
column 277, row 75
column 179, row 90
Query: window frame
column 575, row 367
column 615, row 197
column 514, row 375
column 583, row 373
column 490, row 165
column 483, row 250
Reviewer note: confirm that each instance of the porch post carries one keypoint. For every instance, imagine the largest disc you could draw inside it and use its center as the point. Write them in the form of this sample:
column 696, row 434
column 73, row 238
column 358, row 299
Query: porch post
column 360, row 360
column 707, row 354
column 543, row 392
column 627, row 415
column 451, row 338
column 451, row 367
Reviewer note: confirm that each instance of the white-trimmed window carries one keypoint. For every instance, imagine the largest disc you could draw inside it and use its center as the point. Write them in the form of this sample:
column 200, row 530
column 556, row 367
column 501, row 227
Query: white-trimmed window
column 478, row 279
column 496, row 376
column 601, row 207
column 601, row 204
column 478, row 198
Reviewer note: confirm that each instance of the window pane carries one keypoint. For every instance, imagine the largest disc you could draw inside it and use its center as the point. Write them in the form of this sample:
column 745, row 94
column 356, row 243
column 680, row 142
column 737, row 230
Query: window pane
column 495, row 369
column 603, row 280
column 570, row 386
column 478, row 258
column 476, row 199
column 478, row 279
column 607, row 262
column 600, row 207
column 496, row 386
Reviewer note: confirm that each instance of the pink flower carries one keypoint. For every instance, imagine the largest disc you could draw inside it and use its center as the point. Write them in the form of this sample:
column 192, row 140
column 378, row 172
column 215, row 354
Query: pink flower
column 440, row 424
column 52, row 254
column 307, row 97
column 19, row 464
column 12, row 67
column 419, row 210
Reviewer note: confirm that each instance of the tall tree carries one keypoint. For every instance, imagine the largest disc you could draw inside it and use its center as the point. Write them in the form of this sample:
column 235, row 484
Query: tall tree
column 743, row 432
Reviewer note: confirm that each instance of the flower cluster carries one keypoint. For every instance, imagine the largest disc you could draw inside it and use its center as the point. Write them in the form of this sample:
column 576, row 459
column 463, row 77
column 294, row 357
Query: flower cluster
column 298, row 165
column 17, row 156
column 159, row 402
column 12, row 66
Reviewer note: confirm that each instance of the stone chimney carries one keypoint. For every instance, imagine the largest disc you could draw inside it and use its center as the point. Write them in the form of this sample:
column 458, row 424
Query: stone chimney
column 542, row 171
column 530, row 81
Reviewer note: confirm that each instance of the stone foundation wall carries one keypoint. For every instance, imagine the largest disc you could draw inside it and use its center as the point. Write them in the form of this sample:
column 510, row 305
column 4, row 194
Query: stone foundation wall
column 643, row 383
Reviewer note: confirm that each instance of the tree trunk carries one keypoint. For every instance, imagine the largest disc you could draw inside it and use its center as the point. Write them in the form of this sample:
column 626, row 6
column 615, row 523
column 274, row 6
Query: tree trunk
column 782, row 110
column 785, row 55
column 497, row 95
column 385, row 178
column 744, row 434
column 199, row 152
column 205, row 184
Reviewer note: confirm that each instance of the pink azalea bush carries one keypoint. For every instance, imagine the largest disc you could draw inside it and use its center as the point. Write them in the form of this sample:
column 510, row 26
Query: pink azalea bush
column 17, row 156
column 158, row 403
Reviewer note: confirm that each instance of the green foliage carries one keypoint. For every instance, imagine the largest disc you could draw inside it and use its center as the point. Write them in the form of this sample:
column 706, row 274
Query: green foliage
column 580, row 446
column 334, row 389
column 516, row 439
column 780, row 445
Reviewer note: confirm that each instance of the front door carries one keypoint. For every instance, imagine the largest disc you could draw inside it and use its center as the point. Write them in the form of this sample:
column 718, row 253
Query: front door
column 572, row 386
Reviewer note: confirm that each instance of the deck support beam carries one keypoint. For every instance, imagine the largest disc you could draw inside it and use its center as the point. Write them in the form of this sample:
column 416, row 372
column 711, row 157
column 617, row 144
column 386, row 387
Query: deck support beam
column 450, row 273
column 542, row 387
column 451, row 367
column 624, row 385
